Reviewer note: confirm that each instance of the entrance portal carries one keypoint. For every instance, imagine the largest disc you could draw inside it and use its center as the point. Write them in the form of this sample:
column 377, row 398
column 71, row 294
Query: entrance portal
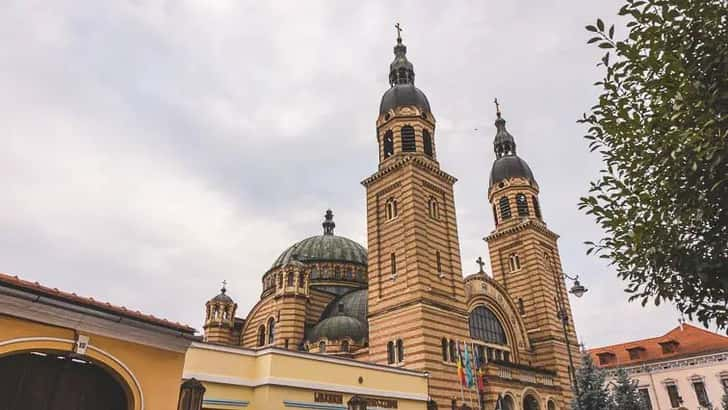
column 51, row 381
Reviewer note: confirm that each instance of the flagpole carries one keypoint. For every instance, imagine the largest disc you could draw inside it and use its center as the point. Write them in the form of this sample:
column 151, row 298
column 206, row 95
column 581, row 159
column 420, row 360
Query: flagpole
column 478, row 378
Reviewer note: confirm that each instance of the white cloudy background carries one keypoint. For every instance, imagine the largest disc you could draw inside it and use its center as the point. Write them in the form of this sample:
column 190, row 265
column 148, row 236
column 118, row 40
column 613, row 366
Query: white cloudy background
column 151, row 149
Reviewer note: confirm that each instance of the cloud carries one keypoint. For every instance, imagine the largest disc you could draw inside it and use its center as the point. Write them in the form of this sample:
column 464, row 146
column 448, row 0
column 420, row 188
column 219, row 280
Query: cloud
column 152, row 149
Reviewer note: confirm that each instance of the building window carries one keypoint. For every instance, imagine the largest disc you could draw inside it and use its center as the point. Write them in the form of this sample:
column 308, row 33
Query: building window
column 514, row 262
column 700, row 393
column 606, row 358
column 388, row 144
column 400, row 351
column 393, row 265
column 495, row 215
column 521, row 205
column 427, row 141
column 636, row 353
column 669, row 347
column 301, row 280
column 645, row 397
column 434, row 208
column 261, row 335
column 485, row 326
column 521, row 307
column 551, row 405
column 390, row 352
column 271, row 331
column 439, row 263
column 453, row 352
column 505, row 208
column 408, row 139
column 289, row 282
column 322, row 347
column 345, row 346
column 506, row 356
column 445, row 347
column 536, row 207
column 674, row 396
column 390, row 209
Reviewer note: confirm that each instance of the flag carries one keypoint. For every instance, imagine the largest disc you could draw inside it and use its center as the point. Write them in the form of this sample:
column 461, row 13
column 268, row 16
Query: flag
column 468, row 368
column 461, row 373
column 479, row 367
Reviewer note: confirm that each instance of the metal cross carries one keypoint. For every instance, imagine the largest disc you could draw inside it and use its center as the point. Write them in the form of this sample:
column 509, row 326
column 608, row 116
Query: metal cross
column 399, row 30
column 480, row 263
column 224, row 285
column 497, row 107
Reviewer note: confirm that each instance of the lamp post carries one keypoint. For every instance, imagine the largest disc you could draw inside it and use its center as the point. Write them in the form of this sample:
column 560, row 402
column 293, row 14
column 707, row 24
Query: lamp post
column 577, row 290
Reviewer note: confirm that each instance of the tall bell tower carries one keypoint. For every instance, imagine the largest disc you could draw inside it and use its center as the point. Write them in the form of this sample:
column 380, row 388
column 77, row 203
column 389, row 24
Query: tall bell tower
column 525, row 258
column 416, row 291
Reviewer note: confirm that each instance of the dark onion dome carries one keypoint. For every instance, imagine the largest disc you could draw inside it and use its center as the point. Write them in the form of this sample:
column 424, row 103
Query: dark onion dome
column 324, row 248
column 507, row 164
column 402, row 83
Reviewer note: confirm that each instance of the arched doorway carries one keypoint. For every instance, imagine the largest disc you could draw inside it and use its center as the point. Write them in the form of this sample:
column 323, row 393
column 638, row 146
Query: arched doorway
column 47, row 380
column 530, row 403
column 507, row 403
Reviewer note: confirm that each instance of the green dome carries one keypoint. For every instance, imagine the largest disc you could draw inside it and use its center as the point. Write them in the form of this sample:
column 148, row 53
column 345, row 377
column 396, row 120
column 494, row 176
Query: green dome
column 339, row 327
column 352, row 304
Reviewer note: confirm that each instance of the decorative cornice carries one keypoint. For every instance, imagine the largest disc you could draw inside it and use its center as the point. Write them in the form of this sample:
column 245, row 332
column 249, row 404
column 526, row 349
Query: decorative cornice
column 526, row 223
column 685, row 362
column 417, row 161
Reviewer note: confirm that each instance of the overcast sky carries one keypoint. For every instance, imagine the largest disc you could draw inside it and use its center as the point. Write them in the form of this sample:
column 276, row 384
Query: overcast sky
column 151, row 149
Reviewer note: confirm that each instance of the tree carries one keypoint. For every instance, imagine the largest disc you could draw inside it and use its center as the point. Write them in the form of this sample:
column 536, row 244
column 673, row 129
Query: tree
column 593, row 394
column 624, row 395
column 661, row 128
column 724, row 402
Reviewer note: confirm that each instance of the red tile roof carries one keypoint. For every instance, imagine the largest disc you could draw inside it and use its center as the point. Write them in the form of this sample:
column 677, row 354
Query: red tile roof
column 691, row 341
column 36, row 288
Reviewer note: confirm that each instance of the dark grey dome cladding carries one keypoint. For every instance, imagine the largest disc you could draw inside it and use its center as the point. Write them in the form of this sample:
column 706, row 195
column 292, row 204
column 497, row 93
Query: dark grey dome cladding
column 352, row 304
column 339, row 327
column 510, row 167
column 404, row 94
column 324, row 248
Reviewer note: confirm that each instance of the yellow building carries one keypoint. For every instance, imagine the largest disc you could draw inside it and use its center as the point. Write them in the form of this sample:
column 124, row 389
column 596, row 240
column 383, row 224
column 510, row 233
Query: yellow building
column 63, row 352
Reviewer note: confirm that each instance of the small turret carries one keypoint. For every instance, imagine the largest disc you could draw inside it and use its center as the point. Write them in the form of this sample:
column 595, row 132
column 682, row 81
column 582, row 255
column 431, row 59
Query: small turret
column 220, row 317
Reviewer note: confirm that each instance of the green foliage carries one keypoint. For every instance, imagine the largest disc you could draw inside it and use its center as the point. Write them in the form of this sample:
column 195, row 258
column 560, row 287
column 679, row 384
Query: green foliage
column 724, row 402
column 593, row 394
column 625, row 395
column 661, row 128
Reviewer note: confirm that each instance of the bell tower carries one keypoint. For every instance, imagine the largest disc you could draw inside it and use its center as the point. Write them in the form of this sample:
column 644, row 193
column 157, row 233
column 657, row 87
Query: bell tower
column 416, row 291
column 525, row 258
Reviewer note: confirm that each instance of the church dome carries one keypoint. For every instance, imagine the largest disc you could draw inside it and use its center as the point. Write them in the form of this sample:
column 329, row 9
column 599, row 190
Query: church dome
column 324, row 248
column 339, row 327
column 352, row 304
column 404, row 94
column 510, row 167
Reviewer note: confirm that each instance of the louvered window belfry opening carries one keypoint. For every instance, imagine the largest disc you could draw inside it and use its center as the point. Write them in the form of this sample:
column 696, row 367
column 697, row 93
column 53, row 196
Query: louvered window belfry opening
column 388, row 143
column 427, row 142
column 505, row 208
column 521, row 205
column 408, row 139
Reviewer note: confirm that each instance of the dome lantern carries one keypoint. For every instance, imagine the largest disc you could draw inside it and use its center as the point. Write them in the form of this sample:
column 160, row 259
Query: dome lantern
column 507, row 164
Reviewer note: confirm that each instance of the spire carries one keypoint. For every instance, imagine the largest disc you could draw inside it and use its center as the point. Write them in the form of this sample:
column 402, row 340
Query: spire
column 329, row 224
column 224, row 286
column 504, row 143
column 401, row 70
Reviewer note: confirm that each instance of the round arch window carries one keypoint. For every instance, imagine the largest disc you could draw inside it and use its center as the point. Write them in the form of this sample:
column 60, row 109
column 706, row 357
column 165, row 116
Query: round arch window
column 485, row 326
column 530, row 403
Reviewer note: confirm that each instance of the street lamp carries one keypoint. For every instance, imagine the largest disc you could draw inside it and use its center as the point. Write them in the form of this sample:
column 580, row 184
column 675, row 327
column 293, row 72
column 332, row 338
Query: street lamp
column 577, row 290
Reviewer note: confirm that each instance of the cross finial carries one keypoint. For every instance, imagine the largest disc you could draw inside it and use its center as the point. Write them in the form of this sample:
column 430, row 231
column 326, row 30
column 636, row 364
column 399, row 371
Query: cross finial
column 480, row 263
column 399, row 32
column 224, row 285
column 497, row 108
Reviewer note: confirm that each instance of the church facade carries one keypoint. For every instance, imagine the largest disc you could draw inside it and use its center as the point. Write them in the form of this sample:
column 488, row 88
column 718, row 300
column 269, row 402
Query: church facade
column 403, row 302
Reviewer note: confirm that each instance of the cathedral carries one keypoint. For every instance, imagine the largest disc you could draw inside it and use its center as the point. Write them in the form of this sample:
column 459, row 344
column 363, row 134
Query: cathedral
column 404, row 301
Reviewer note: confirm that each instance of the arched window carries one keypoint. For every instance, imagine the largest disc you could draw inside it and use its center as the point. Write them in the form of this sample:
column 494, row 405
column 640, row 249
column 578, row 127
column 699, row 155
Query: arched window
column 551, row 405
column 434, row 208
column 322, row 347
column 530, row 403
column 393, row 263
column 271, row 331
column 453, row 352
column 485, row 326
column 280, row 281
column 521, row 205
column 495, row 215
column 505, row 208
column 261, row 335
column 390, row 209
column 400, row 351
column 507, row 403
column 439, row 263
column 345, row 346
column 289, row 282
column 301, row 280
column 388, row 145
column 408, row 139
column 427, row 142
column 445, row 347
column 390, row 352
column 536, row 207
column 515, row 262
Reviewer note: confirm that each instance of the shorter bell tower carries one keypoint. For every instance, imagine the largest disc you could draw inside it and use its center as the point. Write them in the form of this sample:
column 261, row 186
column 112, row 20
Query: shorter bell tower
column 220, row 318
